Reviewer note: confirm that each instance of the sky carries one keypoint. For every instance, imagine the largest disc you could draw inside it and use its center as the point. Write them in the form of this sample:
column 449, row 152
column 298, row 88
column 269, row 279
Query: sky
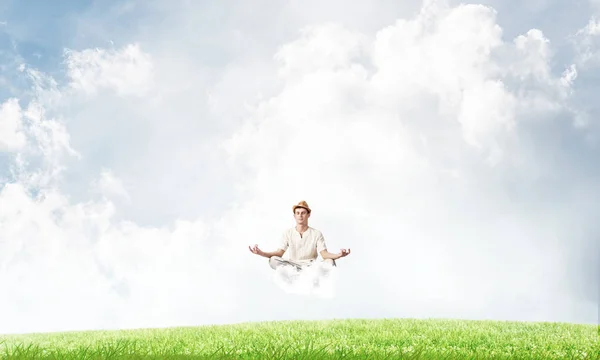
column 144, row 145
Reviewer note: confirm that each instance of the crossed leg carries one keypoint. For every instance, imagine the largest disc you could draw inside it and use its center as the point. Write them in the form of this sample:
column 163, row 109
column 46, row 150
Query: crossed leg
column 277, row 261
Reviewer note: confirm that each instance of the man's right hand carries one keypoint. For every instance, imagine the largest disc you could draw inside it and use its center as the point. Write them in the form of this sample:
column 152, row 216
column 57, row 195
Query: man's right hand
column 256, row 250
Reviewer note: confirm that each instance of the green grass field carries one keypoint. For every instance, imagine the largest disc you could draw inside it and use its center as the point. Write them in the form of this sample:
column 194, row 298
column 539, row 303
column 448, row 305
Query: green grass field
column 335, row 339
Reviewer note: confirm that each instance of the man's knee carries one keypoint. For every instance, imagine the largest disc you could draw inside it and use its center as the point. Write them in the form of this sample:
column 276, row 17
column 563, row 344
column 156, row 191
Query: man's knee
column 275, row 261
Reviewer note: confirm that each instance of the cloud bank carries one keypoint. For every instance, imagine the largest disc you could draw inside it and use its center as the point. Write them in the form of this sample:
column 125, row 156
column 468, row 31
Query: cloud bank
column 456, row 163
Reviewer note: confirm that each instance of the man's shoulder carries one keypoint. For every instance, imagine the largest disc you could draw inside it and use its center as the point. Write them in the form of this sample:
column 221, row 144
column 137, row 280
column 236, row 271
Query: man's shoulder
column 316, row 232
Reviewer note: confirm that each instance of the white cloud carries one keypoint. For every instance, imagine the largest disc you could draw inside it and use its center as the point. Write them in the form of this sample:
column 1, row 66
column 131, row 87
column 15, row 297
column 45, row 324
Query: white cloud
column 96, row 272
column 127, row 71
column 106, row 266
column 41, row 164
column 418, row 147
column 110, row 185
column 587, row 41
column 12, row 137
column 387, row 155
column 592, row 28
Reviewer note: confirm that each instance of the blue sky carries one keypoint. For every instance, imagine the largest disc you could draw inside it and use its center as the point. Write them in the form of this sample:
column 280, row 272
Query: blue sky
column 145, row 145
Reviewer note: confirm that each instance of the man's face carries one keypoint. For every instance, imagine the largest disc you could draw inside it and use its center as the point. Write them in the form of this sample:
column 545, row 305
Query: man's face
column 301, row 216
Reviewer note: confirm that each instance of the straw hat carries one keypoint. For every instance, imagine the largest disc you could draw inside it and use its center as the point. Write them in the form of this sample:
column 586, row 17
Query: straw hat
column 302, row 204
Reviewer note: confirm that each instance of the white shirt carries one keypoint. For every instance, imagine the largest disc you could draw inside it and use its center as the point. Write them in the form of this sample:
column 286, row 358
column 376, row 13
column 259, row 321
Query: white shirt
column 305, row 247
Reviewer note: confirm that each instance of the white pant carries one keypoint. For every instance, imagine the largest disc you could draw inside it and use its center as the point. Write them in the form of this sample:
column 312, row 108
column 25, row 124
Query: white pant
column 277, row 261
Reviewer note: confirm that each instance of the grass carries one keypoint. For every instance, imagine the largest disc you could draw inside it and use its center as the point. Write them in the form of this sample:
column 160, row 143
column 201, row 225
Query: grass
column 335, row 339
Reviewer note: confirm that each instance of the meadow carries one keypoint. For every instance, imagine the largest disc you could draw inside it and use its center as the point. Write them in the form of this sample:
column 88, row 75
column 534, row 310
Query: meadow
column 332, row 339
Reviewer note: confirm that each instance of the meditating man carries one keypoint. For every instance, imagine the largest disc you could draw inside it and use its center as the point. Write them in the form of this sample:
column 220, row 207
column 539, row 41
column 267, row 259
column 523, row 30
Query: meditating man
column 303, row 242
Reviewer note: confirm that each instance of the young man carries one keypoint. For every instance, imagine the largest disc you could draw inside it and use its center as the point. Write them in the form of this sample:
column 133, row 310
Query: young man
column 303, row 242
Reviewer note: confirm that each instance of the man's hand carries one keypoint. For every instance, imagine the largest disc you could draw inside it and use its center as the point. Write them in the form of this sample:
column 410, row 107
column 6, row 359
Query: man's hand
column 327, row 255
column 256, row 250
column 343, row 253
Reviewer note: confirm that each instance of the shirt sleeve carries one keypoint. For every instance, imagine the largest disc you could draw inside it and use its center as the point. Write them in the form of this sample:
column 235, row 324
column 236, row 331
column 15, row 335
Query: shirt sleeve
column 284, row 242
column 321, row 243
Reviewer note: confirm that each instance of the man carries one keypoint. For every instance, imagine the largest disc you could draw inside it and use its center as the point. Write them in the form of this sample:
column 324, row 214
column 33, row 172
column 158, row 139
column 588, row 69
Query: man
column 303, row 242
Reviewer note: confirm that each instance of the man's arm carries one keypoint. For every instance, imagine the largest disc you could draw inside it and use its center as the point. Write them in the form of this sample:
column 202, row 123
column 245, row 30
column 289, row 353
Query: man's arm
column 257, row 251
column 322, row 249
column 278, row 252
column 327, row 255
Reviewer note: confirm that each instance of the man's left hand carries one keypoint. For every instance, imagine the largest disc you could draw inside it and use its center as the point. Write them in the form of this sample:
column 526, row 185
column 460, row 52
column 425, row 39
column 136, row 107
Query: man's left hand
column 343, row 252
